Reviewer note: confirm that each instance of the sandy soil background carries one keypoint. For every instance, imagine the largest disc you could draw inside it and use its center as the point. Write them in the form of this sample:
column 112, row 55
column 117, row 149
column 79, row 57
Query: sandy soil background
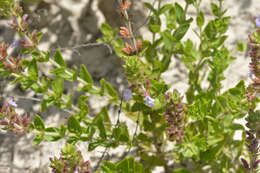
column 66, row 24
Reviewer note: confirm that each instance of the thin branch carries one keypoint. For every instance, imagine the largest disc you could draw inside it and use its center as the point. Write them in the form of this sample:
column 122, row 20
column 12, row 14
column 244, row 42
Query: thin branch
column 88, row 45
column 146, row 19
column 117, row 124
column 136, row 128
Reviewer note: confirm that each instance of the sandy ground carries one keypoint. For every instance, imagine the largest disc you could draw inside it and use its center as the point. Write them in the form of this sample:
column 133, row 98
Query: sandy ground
column 67, row 23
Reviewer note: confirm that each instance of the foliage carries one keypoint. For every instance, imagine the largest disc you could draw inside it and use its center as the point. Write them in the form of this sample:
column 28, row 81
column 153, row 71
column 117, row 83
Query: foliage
column 196, row 128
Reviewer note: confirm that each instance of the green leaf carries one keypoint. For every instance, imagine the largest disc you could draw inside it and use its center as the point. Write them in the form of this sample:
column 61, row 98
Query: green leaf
column 180, row 16
column 74, row 125
column 73, row 140
column 200, row 19
column 121, row 133
column 35, row 54
column 165, row 63
column 75, row 73
column 62, row 130
column 61, row 72
column 38, row 123
column 222, row 24
column 106, row 30
column 215, row 10
column 38, row 138
column 33, row 70
column 152, row 159
column 52, row 129
column 164, row 8
column 241, row 46
column 211, row 30
column 110, row 90
column 59, row 59
column 93, row 145
column 111, row 166
column 46, row 103
column 50, row 138
column 99, row 123
column 39, row 36
column 155, row 28
column 58, row 85
column 150, row 7
column 181, row 31
column 84, row 74
column 168, row 39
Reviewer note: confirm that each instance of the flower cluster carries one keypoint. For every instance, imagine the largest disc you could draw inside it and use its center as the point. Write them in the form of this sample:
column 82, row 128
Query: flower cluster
column 18, row 23
column 10, row 120
column 70, row 161
column 11, row 64
column 254, row 53
column 127, row 32
column 253, row 132
column 128, row 95
column 174, row 115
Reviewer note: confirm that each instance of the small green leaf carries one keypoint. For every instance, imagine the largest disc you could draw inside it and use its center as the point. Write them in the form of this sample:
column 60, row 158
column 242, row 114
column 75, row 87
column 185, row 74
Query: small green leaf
column 73, row 140
column 93, row 145
column 111, row 166
column 38, row 123
column 59, row 59
column 46, row 103
column 84, row 74
column 215, row 10
column 106, row 30
column 180, row 16
column 241, row 47
column 62, row 130
column 50, row 138
column 74, row 125
column 110, row 90
column 99, row 122
column 52, row 129
column 33, row 70
column 38, row 139
column 168, row 40
column 181, row 31
column 35, row 54
column 164, row 8
column 152, row 159
column 150, row 7
column 39, row 36
column 200, row 19
column 211, row 30
column 58, row 85
column 165, row 63
column 155, row 28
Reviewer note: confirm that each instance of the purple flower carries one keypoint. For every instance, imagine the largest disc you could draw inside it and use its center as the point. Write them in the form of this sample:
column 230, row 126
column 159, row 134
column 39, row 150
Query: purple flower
column 148, row 100
column 12, row 103
column 15, row 44
column 128, row 94
column 257, row 21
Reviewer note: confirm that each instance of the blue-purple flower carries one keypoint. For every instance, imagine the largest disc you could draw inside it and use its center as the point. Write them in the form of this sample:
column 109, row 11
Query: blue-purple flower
column 128, row 94
column 12, row 103
column 148, row 100
column 257, row 21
